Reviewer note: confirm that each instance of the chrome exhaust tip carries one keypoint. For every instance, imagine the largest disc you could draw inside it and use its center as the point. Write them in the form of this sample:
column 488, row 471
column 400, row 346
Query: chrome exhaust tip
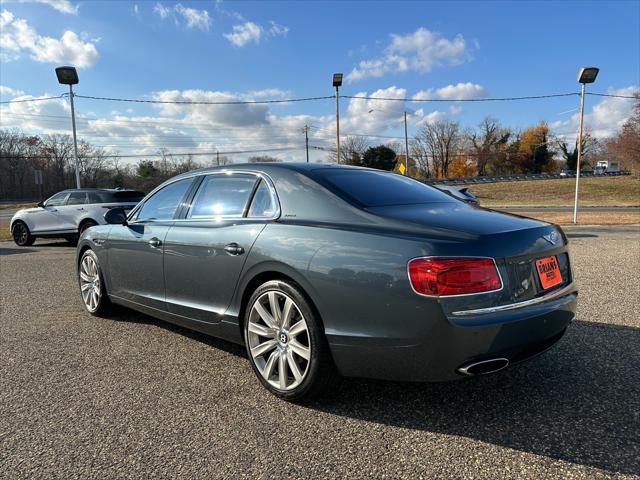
column 484, row 367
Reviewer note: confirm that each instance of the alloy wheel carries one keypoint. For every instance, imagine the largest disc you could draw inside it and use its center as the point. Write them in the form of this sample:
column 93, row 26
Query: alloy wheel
column 90, row 283
column 278, row 338
column 20, row 233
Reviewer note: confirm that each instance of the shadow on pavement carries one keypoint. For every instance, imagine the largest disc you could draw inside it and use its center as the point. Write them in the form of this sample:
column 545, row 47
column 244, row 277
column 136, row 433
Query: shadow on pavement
column 578, row 402
column 15, row 251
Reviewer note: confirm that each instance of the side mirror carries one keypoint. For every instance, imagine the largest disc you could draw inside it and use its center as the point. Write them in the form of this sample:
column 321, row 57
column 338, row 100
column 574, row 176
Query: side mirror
column 116, row 216
column 40, row 204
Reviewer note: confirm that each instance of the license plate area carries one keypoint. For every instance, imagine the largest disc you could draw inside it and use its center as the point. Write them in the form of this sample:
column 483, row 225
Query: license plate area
column 548, row 272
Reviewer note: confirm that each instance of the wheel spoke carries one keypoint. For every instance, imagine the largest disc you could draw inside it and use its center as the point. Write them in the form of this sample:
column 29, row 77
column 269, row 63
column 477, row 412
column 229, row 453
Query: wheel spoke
column 293, row 366
column 287, row 312
column 264, row 315
column 298, row 328
column 282, row 371
column 262, row 330
column 86, row 286
column 84, row 277
column 300, row 349
column 275, row 308
column 263, row 348
column 268, row 368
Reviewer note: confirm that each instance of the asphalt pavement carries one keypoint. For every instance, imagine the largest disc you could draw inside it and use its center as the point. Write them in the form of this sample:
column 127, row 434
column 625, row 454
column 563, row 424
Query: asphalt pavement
column 134, row 397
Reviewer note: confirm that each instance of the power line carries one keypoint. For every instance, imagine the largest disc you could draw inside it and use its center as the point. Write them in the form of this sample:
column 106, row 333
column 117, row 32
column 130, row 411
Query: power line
column 41, row 99
column 205, row 102
column 632, row 97
column 492, row 99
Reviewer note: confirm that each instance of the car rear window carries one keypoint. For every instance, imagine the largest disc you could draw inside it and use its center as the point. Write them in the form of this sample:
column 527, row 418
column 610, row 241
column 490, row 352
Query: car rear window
column 125, row 196
column 378, row 189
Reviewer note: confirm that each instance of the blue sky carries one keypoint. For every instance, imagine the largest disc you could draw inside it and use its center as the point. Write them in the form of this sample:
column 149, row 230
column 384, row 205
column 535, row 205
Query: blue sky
column 209, row 50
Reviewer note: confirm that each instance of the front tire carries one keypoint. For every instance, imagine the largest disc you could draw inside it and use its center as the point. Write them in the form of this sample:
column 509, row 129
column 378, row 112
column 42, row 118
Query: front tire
column 21, row 234
column 92, row 288
column 285, row 342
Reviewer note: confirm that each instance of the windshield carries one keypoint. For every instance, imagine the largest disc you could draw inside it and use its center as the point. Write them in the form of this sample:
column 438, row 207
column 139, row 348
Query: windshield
column 378, row 189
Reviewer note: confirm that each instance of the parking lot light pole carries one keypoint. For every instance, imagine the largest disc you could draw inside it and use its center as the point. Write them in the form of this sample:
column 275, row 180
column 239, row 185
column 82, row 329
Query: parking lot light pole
column 337, row 82
column 69, row 76
column 586, row 75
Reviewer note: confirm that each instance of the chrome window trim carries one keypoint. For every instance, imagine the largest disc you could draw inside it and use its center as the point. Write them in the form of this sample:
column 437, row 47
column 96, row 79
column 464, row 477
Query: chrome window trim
column 459, row 294
column 514, row 306
column 226, row 171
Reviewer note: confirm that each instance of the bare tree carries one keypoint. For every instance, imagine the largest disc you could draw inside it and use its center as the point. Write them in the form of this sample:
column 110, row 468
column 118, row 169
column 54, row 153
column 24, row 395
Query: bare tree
column 488, row 143
column 352, row 148
column 440, row 142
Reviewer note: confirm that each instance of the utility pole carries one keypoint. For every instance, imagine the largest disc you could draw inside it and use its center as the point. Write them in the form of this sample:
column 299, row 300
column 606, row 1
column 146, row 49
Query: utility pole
column 305, row 129
column 586, row 75
column 217, row 157
column 75, row 140
column 337, row 82
column 406, row 146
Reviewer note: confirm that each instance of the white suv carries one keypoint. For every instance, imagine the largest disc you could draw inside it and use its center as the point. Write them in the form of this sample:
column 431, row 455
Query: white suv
column 69, row 213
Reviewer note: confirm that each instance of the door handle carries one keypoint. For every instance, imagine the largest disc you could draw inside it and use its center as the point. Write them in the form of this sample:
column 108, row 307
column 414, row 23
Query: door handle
column 155, row 242
column 234, row 249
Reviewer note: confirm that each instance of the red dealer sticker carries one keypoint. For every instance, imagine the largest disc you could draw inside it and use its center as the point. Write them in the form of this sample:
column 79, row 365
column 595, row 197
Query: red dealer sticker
column 548, row 272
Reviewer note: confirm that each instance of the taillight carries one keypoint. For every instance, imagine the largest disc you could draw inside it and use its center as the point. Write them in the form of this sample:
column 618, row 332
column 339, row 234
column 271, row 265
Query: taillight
column 441, row 276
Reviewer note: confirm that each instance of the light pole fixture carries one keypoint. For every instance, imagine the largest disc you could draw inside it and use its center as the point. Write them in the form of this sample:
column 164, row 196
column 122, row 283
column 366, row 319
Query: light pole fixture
column 337, row 82
column 69, row 76
column 586, row 75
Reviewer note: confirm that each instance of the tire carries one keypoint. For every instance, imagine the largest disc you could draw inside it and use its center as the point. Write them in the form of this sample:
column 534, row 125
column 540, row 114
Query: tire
column 289, row 353
column 84, row 225
column 21, row 234
column 92, row 289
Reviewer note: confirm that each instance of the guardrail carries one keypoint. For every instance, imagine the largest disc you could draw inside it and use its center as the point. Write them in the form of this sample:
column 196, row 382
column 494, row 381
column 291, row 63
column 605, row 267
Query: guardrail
column 522, row 177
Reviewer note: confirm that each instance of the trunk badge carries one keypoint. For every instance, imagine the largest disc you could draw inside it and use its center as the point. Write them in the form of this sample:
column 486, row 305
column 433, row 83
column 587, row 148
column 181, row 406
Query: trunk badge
column 552, row 238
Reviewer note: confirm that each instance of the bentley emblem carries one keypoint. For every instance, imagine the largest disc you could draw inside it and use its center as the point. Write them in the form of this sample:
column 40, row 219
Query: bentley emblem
column 552, row 237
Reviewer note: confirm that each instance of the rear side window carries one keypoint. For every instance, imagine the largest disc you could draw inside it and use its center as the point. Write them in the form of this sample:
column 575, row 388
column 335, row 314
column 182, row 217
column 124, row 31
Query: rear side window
column 263, row 203
column 222, row 195
column 77, row 198
column 94, row 198
column 126, row 196
column 164, row 203
column 378, row 189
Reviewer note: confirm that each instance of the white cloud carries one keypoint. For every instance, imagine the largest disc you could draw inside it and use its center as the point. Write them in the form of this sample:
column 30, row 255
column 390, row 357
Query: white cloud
column 32, row 117
column 419, row 51
column 244, row 33
column 64, row 6
column 192, row 17
column 460, row 91
column 606, row 117
column 17, row 36
column 4, row 90
column 277, row 30
column 248, row 32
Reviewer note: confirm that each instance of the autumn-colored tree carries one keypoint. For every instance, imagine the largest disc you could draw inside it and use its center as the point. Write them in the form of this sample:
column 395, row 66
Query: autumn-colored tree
column 534, row 154
column 462, row 166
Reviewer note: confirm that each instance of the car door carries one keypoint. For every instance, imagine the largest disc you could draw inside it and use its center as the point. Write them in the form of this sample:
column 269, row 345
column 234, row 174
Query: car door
column 206, row 250
column 73, row 209
column 47, row 218
column 135, row 257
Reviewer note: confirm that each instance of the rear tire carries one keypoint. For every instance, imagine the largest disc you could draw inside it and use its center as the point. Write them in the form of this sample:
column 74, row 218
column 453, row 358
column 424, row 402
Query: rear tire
column 92, row 289
column 21, row 234
column 285, row 342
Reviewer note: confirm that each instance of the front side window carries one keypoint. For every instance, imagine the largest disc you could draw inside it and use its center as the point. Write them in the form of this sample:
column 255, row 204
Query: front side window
column 263, row 203
column 77, row 198
column 164, row 203
column 57, row 200
column 222, row 195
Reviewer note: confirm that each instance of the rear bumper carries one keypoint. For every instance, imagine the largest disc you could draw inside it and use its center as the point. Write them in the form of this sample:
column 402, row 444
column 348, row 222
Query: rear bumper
column 516, row 334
